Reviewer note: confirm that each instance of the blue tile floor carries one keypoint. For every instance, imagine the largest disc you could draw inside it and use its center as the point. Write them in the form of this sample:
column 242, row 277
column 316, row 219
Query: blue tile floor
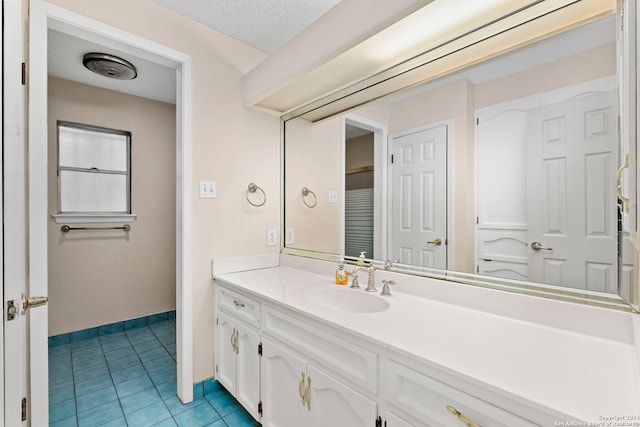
column 129, row 379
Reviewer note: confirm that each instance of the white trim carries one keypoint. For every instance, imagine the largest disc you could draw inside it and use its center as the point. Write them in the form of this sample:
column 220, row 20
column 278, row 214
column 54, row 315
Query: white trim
column 235, row 264
column 92, row 219
column 380, row 166
column 449, row 123
column 42, row 16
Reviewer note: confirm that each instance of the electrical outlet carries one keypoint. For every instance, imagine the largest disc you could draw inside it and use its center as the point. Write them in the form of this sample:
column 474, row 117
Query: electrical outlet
column 333, row 197
column 289, row 236
column 208, row 190
column 272, row 237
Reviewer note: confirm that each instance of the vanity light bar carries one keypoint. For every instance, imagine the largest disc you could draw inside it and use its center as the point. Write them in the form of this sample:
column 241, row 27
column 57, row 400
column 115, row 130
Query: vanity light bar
column 530, row 24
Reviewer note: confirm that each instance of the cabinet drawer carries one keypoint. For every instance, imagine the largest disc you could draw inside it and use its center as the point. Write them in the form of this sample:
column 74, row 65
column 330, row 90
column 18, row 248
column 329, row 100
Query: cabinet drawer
column 240, row 306
column 427, row 399
column 343, row 358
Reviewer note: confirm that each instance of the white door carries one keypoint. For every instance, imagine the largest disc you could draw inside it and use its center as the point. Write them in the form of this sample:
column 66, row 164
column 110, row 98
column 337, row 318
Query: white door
column 419, row 186
column 571, row 199
column 248, row 376
column 14, row 250
column 282, row 388
column 334, row 404
column 225, row 351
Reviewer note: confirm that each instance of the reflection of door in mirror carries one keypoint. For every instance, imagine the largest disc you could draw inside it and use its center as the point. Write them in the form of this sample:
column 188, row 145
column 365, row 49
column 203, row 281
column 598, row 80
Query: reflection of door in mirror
column 418, row 233
column 359, row 191
column 561, row 146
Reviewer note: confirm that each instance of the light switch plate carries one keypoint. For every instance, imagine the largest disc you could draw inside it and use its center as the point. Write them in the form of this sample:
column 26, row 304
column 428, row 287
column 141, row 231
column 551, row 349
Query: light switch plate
column 289, row 236
column 208, row 190
column 333, row 197
column 272, row 237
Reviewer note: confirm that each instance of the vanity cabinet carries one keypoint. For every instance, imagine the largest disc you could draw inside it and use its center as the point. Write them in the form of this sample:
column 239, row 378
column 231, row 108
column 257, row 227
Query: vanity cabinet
column 311, row 373
column 237, row 355
column 411, row 394
column 297, row 393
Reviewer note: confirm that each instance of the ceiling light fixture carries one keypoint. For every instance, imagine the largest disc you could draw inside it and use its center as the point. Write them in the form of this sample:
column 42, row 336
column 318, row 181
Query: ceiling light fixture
column 109, row 66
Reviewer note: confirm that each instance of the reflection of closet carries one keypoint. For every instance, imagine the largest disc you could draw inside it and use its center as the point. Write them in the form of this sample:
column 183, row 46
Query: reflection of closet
column 359, row 178
column 510, row 218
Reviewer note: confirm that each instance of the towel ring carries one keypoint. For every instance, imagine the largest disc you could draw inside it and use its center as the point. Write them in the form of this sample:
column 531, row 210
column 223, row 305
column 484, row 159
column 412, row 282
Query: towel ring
column 305, row 193
column 252, row 188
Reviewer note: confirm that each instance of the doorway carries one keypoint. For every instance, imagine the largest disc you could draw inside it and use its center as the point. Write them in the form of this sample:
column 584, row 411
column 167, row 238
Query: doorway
column 419, row 225
column 364, row 215
column 43, row 17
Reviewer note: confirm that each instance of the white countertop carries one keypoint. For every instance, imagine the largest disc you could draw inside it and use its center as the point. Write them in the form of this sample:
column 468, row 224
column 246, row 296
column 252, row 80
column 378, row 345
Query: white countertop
column 574, row 373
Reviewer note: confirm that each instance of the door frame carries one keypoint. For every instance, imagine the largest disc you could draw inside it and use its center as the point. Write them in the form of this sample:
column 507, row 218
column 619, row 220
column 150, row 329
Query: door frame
column 380, row 134
column 449, row 123
column 43, row 16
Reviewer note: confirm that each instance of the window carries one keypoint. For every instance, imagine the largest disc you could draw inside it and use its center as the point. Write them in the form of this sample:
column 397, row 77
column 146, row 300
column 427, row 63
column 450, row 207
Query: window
column 94, row 171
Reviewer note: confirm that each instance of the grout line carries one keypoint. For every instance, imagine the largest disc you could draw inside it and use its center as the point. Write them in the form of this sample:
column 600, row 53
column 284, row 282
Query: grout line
column 112, row 383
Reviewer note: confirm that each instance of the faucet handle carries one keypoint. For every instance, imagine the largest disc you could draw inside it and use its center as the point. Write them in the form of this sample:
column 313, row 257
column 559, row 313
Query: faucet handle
column 385, row 287
column 354, row 281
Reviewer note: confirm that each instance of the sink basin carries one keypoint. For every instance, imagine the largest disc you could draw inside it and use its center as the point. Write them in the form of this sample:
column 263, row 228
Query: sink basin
column 349, row 300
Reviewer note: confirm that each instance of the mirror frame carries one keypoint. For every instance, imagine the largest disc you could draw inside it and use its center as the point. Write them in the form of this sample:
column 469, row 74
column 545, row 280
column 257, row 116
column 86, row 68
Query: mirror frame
column 357, row 92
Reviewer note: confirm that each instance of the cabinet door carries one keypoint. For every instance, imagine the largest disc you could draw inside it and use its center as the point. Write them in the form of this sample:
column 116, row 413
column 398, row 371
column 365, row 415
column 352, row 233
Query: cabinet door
column 392, row 420
column 248, row 384
column 280, row 387
column 226, row 360
column 337, row 405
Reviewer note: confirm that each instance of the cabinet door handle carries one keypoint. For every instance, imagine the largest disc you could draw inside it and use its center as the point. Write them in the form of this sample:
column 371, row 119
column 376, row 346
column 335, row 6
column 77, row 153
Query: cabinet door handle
column 236, row 341
column 306, row 393
column 466, row 421
column 238, row 304
column 233, row 344
column 300, row 390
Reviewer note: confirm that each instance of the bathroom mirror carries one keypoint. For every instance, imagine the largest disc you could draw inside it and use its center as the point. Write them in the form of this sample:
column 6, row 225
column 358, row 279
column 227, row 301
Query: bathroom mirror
column 501, row 173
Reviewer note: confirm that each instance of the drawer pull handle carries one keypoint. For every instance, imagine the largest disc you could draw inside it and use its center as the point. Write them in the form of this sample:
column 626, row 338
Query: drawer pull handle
column 238, row 304
column 466, row 421
column 306, row 393
column 300, row 390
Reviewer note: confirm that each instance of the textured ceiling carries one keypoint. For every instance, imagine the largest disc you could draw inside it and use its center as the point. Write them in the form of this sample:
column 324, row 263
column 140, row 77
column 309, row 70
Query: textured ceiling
column 264, row 24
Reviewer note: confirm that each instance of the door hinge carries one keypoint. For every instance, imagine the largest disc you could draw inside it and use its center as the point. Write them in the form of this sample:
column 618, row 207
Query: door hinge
column 216, row 320
column 392, row 158
column 260, row 408
column 24, row 409
column 260, row 349
column 477, row 121
column 379, row 421
column 477, row 269
column 216, row 369
column 24, row 74
column 477, row 220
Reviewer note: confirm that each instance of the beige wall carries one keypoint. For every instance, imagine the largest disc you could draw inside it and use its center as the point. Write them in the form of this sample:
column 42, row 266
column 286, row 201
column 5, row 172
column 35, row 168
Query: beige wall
column 314, row 160
column 97, row 277
column 232, row 145
column 454, row 102
column 589, row 65
column 359, row 152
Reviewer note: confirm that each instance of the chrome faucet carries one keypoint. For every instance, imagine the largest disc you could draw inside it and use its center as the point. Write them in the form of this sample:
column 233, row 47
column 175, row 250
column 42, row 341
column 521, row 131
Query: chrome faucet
column 388, row 264
column 385, row 288
column 371, row 283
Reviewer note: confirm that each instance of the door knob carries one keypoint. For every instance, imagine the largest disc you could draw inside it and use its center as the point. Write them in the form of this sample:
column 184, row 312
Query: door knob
column 436, row 242
column 537, row 246
column 27, row 303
